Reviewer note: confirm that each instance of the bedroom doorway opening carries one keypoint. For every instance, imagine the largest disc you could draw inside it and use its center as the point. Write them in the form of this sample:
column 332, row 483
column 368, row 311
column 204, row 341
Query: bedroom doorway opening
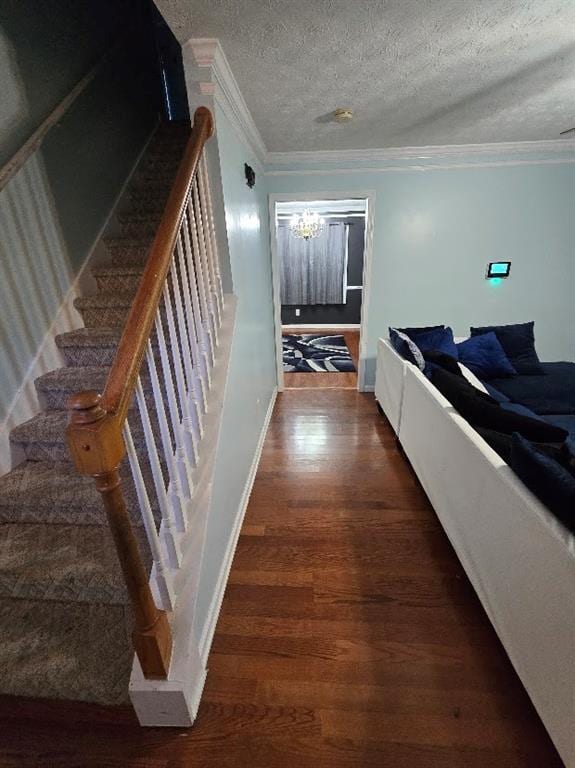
column 321, row 251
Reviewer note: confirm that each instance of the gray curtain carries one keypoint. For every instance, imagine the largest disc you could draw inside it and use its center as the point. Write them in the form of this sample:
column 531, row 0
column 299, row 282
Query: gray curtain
column 313, row 271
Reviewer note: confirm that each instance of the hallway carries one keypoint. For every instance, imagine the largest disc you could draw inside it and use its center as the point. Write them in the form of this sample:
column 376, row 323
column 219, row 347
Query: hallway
column 349, row 635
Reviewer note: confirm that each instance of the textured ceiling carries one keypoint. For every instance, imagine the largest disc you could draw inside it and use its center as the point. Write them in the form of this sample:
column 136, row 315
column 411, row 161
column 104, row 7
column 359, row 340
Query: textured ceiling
column 416, row 72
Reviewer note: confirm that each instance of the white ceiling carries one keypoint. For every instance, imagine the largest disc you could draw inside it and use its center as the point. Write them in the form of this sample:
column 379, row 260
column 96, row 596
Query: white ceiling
column 416, row 72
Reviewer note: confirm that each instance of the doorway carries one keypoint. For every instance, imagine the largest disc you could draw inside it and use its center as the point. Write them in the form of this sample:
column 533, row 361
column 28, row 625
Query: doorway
column 321, row 258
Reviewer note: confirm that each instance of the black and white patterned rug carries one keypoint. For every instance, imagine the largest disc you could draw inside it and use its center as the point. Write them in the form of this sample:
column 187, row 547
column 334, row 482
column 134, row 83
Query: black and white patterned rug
column 314, row 353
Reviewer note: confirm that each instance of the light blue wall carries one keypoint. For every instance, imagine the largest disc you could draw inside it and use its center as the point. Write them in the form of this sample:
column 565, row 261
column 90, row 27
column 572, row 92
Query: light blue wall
column 435, row 231
column 252, row 374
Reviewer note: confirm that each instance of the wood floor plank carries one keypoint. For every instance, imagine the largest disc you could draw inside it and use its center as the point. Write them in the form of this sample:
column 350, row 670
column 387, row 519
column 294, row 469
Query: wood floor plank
column 349, row 635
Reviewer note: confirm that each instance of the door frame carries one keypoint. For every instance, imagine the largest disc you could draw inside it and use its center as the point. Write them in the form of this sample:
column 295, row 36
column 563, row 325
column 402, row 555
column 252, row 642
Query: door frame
column 289, row 197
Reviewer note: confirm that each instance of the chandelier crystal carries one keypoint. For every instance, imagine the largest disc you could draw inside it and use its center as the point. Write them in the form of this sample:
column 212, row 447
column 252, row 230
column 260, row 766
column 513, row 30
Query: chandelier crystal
column 306, row 225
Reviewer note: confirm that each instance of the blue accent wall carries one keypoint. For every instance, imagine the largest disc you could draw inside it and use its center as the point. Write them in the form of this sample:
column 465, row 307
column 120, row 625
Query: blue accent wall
column 436, row 230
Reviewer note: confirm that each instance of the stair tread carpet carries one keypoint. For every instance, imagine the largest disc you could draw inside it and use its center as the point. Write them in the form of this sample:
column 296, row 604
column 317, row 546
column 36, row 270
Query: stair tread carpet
column 72, row 563
column 77, row 651
column 53, row 492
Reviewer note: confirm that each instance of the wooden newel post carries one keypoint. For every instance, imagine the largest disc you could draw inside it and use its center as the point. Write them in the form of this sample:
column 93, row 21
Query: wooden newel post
column 97, row 448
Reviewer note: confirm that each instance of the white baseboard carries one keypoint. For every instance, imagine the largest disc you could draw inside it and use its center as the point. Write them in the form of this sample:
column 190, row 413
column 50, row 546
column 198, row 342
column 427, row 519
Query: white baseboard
column 25, row 403
column 216, row 604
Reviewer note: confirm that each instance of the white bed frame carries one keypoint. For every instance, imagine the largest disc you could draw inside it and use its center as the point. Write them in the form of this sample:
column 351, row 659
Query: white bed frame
column 519, row 558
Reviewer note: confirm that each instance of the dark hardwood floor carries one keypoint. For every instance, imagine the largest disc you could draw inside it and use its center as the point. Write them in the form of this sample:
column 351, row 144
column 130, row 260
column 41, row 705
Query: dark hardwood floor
column 326, row 380
column 349, row 635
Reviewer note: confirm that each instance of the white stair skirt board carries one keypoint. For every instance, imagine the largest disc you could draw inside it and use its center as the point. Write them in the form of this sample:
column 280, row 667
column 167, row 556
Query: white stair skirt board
column 174, row 702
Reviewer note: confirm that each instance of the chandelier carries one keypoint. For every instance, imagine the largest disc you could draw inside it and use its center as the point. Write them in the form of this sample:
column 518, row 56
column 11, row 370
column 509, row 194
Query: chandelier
column 306, row 225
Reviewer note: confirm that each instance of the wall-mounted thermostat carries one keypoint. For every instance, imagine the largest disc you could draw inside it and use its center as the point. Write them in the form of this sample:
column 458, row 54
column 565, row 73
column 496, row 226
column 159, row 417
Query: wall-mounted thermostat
column 498, row 269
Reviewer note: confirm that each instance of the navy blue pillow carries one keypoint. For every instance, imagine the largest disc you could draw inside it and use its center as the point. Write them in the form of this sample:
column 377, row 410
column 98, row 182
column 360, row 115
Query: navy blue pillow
column 518, row 342
column 413, row 332
column 484, row 356
column 552, row 483
column 438, row 340
column 406, row 347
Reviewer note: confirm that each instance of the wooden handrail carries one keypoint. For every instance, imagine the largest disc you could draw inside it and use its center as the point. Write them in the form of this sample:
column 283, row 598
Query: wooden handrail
column 11, row 168
column 94, row 433
column 122, row 377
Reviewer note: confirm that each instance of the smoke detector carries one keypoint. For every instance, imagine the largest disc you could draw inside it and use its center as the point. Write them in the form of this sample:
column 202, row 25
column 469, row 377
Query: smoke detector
column 343, row 115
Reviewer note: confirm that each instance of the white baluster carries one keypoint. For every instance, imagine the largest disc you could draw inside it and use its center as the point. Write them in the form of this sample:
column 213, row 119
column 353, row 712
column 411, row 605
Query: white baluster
column 208, row 243
column 203, row 237
column 200, row 382
column 176, row 498
column 174, row 555
column 200, row 328
column 192, row 376
column 206, row 201
column 185, row 455
column 192, row 435
column 201, row 267
column 163, row 579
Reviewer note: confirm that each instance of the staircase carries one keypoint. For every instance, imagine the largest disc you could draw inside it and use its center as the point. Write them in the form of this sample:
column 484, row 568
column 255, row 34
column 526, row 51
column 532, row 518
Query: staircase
column 65, row 619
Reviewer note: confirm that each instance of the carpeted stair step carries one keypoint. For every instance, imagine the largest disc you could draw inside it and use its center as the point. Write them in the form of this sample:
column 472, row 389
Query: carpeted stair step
column 68, row 563
column 148, row 205
column 128, row 251
column 89, row 346
column 155, row 189
column 43, row 437
column 104, row 310
column 53, row 492
column 56, row 386
column 75, row 651
column 136, row 224
column 117, row 278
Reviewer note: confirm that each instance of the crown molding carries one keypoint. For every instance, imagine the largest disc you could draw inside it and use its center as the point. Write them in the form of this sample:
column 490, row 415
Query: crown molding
column 478, row 164
column 394, row 154
column 215, row 79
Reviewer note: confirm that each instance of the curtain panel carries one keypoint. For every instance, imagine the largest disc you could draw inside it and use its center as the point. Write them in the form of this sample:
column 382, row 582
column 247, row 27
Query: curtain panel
column 313, row 271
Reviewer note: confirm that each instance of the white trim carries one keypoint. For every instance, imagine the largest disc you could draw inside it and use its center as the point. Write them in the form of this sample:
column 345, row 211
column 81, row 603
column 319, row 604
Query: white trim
column 276, row 292
column 410, row 168
column 216, row 80
column 369, row 197
column 25, row 403
column 420, row 153
column 321, row 326
column 216, row 604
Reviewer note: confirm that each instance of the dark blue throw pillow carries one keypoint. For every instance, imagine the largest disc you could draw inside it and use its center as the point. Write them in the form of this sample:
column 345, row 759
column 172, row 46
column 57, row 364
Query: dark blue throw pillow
column 518, row 342
column 484, row 356
column 406, row 347
column 413, row 332
column 437, row 340
column 552, row 483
